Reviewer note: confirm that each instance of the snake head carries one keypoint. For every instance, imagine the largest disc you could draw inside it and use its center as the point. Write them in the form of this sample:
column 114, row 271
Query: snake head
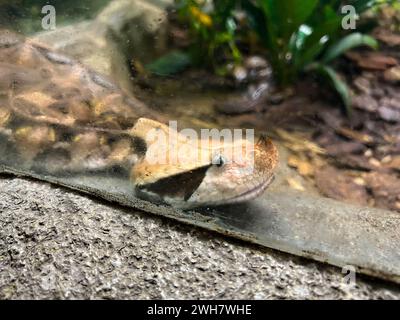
column 240, row 172
column 188, row 172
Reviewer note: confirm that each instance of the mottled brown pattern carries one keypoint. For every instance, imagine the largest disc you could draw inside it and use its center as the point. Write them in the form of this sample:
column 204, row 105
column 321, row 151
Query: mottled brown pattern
column 51, row 104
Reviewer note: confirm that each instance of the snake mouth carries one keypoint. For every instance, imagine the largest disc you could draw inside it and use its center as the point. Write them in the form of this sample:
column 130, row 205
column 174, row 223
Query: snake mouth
column 252, row 193
column 243, row 197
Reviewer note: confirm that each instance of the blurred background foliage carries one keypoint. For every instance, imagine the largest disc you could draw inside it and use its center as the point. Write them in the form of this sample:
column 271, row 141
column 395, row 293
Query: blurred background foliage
column 298, row 36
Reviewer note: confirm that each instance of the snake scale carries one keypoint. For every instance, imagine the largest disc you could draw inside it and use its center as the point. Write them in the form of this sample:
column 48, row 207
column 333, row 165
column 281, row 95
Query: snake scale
column 58, row 117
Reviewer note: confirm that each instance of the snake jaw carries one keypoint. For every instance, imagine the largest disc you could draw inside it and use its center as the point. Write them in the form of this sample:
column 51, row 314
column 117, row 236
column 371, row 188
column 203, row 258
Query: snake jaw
column 232, row 180
column 238, row 181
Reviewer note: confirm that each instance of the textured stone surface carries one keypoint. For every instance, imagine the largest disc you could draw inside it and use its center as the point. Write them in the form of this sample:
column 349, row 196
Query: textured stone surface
column 55, row 243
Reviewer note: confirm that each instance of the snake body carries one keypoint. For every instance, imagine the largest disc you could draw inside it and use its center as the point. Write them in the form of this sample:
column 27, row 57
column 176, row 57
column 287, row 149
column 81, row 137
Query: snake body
column 58, row 117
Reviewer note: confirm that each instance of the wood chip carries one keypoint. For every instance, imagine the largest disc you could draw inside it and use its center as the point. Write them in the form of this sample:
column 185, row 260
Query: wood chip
column 394, row 163
column 372, row 60
column 295, row 184
column 374, row 162
column 340, row 148
column 298, row 143
column 392, row 74
column 363, row 84
column 335, row 184
column 387, row 37
column 304, row 167
column 359, row 181
column 389, row 114
column 358, row 162
column 355, row 135
column 365, row 102
column 385, row 189
column 387, row 159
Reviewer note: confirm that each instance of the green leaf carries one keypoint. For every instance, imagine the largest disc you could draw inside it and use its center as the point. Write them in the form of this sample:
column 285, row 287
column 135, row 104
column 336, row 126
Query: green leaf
column 282, row 19
column 349, row 42
column 171, row 63
column 330, row 26
column 287, row 15
column 311, row 53
column 296, row 44
column 324, row 28
column 339, row 85
column 298, row 38
column 256, row 19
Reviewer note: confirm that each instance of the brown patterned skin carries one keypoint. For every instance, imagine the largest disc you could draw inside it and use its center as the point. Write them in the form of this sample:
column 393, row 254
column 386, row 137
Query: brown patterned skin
column 58, row 117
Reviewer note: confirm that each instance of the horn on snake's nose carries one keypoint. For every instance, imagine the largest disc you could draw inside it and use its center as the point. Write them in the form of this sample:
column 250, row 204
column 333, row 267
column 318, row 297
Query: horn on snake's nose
column 267, row 153
column 265, row 142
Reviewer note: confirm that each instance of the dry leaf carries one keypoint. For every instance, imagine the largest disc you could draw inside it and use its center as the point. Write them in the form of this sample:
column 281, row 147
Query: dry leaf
column 385, row 189
column 372, row 60
column 394, row 163
column 392, row 74
column 294, row 184
column 374, row 162
column 359, row 181
column 387, row 37
column 337, row 185
column 354, row 135
column 298, row 143
column 304, row 167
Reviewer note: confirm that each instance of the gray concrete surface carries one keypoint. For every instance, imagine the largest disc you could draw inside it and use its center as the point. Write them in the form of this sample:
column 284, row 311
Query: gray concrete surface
column 56, row 243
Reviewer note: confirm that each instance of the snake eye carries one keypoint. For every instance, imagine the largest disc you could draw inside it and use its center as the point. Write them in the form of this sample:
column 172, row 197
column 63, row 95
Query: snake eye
column 219, row 160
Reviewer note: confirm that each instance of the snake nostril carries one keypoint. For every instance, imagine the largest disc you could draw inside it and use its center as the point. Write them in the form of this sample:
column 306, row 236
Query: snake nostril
column 219, row 160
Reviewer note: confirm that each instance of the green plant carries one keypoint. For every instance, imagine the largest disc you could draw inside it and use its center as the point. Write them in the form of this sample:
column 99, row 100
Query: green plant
column 300, row 36
column 212, row 30
column 306, row 36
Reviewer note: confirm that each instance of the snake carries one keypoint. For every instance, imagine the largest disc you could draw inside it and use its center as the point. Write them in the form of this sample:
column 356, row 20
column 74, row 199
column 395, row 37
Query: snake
column 59, row 117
